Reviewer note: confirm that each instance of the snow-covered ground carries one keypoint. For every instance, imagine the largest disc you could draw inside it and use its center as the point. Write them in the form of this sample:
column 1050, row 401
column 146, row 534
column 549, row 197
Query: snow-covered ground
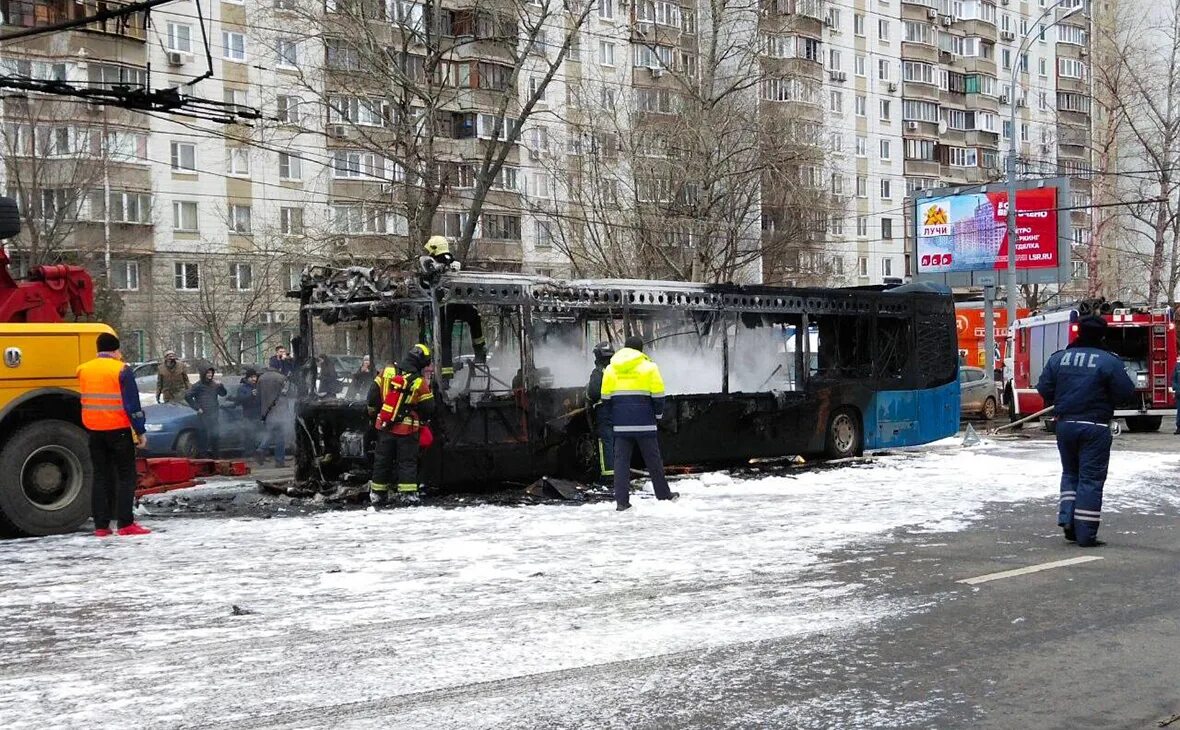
column 364, row 619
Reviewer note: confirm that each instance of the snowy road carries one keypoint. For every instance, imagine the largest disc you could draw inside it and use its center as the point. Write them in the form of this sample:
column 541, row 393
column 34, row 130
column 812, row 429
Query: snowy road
column 448, row 618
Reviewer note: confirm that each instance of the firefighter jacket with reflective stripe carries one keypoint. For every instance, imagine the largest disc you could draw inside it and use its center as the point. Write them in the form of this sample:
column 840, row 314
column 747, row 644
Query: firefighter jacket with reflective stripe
column 406, row 402
column 110, row 397
column 1085, row 384
column 632, row 392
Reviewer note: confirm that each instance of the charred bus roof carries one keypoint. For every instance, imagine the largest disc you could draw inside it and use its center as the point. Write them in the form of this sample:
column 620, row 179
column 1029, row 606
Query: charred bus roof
column 359, row 293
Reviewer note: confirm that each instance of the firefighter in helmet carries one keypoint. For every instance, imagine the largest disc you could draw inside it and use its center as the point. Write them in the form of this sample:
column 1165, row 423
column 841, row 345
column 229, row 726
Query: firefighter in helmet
column 438, row 260
column 602, row 423
column 402, row 402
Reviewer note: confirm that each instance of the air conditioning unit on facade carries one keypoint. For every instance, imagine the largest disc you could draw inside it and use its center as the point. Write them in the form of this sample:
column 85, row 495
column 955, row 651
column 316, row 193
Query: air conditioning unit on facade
column 274, row 317
column 912, row 126
column 838, row 76
column 829, row 22
column 656, row 72
column 932, row 13
column 892, row 86
column 947, row 20
column 1004, row 98
column 1007, row 35
column 338, row 131
column 176, row 58
column 1084, row 52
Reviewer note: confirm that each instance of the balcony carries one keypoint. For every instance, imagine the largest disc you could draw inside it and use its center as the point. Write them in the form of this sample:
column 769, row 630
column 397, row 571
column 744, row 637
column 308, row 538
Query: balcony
column 43, row 13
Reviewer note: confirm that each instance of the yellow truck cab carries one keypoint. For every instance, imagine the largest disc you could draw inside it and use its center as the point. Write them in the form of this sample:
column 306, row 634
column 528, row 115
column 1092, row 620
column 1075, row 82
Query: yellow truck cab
column 45, row 471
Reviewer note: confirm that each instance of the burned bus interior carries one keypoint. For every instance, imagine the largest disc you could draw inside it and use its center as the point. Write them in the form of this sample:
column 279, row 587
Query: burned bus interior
column 750, row 371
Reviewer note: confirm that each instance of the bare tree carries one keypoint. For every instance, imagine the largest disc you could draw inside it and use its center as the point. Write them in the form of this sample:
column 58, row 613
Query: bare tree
column 430, row 99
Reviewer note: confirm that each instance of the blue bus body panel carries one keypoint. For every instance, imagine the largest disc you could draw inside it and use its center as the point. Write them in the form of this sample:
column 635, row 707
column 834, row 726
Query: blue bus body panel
column 912, row 417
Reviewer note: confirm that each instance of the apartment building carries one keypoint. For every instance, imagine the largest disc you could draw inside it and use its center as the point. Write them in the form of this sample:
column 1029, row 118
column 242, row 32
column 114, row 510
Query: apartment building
column 368, row 142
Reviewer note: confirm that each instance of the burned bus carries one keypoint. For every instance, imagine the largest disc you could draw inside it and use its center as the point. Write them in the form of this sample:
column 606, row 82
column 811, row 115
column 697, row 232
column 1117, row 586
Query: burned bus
column 750, row 371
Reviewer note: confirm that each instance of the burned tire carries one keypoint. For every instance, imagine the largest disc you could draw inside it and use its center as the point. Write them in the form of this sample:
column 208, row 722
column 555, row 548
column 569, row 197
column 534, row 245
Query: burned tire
column 844, row 435
column 188, row 445
column 989, row 408
column 1144, row 424
column 45, row 479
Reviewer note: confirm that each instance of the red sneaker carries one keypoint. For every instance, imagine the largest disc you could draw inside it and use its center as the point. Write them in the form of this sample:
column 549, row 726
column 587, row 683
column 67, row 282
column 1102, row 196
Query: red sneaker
column 103, row 532
column 134, row 529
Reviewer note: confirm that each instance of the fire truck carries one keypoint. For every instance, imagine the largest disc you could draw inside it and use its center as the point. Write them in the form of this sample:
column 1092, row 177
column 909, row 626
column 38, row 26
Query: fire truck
column 1143, row 337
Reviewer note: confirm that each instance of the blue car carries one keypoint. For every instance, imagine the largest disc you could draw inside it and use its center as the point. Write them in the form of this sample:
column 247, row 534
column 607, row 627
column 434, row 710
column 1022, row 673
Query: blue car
column 173, row 430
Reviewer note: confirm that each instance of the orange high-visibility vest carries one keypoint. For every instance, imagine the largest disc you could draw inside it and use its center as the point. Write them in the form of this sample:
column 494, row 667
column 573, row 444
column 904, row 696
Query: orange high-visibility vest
column 102, row 395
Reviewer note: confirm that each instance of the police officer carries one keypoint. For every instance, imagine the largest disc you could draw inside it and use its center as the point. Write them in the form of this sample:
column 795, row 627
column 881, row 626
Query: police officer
column 112, row 414
column 633, row 393
column 606, row 437
column 1084, row 383
column 400, row 399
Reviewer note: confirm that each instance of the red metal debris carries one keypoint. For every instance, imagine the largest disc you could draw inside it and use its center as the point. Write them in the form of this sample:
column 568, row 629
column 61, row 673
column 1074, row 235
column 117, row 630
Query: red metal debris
column 166, row 474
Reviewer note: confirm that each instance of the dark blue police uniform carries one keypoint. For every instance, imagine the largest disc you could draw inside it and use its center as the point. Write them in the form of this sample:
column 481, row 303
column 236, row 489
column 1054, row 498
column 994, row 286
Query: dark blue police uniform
column 1084, row 383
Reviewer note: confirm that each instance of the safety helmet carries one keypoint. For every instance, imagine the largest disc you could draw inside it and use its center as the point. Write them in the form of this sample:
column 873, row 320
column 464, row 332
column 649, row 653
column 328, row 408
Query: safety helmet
column 418, row 357
column 438, row 245
column 603, row 351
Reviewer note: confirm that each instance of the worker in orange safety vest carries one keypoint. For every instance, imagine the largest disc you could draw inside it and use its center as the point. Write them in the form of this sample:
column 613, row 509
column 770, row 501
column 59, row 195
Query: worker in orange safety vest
column 401, row 402
column 111, row 412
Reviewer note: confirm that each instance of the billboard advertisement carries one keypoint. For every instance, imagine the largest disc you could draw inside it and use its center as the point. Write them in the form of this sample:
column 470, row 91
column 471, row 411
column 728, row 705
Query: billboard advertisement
column 969, row 232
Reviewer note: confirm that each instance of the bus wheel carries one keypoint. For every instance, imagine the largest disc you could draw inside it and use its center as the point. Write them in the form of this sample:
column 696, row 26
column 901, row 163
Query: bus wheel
column 844, row 437
column 1144, row 424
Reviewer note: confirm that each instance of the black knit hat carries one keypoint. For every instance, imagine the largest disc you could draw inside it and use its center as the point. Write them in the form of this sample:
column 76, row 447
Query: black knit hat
column 635, row 342
column 108, row 342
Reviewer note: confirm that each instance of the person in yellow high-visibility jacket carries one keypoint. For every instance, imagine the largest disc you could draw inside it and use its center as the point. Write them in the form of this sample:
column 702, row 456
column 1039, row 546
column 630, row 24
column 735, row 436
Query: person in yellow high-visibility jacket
column 112, row 414
column 633, row 396
column 401, row 401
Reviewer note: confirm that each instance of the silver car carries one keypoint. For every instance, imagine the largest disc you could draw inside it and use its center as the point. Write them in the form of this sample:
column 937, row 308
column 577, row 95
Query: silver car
column 978, row 393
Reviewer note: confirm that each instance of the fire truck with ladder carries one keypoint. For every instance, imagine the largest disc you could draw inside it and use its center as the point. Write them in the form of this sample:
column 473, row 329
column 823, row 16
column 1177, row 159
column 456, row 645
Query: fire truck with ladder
column 45, row 469
column 1143, row 337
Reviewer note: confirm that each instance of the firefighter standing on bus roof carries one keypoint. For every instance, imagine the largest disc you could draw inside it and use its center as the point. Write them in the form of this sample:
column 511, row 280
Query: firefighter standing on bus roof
column 633, row 393
column 401, row 401
column 1084, row 383
column 439, row 259
column 602, row 423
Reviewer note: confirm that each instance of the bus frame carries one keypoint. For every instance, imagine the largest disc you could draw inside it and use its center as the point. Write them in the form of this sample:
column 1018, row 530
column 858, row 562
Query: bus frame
column 884, row 373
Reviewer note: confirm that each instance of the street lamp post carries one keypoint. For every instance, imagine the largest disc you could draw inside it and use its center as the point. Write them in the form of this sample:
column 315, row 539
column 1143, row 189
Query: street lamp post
column 1035, row 28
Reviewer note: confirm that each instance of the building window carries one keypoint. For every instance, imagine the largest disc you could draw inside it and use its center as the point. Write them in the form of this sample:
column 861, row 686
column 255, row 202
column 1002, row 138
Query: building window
column 184, row 157
column 1080, row 269
column 887, row 228
column 239, row 219
column 179, row 37
column 536, row 88
column 504, row 227
column 858, row 24
column 861, row 105
column 885, row 149
column 862, row 230
column 186, row 276
column 241, row 276
column 862, row 186
column 886, row 190
column 290, row 166
column 288, row 109
column 543, row 233
column 883, row 71
column 236, row 97
column 288, row 52
column 184, row 216
column 125, row 275
column 862, row 265
column 858, row 65
column 237, row 161
column 837, row 102
column 886, row 265
column 862, row 146
column 606, row 9
column 121, row 206
column 291, row 221
column 883, row 30
column 233, row 45
column 606, row 53
column 192, row 344
column 838, row 265
column 886, row 110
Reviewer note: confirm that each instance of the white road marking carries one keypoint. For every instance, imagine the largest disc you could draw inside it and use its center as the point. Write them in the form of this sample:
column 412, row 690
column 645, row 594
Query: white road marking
column 1030, row 569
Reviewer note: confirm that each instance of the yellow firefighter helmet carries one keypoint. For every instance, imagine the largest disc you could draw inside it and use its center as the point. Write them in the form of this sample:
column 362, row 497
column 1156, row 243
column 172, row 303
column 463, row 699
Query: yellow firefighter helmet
column 438, row 245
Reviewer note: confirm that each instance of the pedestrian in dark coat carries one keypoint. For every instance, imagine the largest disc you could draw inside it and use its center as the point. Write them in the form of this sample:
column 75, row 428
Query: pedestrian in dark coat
column 204, row 398
column 1084, row 383
column 601, row 415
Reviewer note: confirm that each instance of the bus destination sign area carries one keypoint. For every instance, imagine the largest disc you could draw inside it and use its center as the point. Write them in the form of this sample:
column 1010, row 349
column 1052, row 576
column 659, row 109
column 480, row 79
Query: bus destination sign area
column 968, row 232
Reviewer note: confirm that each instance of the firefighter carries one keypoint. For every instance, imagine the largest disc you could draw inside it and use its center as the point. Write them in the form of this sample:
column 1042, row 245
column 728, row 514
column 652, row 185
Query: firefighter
column 401, row 401
column 606, row 438
column 439, row 259
column 111, row 412
column 633, row 393
column 1084, row 383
